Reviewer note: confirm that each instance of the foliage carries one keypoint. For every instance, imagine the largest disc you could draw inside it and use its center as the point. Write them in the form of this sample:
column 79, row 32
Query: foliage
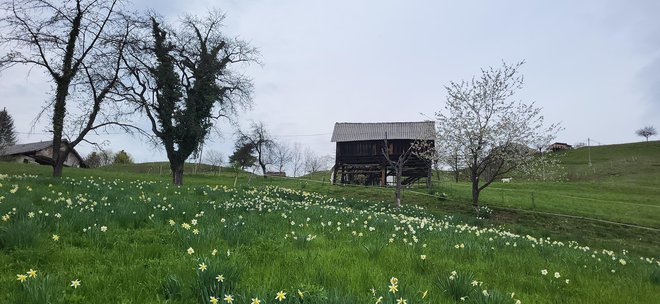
column 242, row 156
column 487, row 131
column 188, row 70
column 7, row 131
column 647, row 132
column 122, row 157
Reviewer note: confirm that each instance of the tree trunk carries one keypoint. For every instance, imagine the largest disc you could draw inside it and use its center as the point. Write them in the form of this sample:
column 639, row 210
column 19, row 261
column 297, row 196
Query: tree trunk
column 397, row 192
column 58, row 127
column 475, row 190
column 263, row 169
column 177, row 173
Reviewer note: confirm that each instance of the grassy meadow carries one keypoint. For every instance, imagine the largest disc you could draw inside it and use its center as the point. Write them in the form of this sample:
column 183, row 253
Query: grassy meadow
column 125, row 235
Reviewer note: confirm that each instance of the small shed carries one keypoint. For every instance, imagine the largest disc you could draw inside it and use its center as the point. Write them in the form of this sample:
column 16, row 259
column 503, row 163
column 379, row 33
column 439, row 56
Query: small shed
column 359, row 153
column 40, row 153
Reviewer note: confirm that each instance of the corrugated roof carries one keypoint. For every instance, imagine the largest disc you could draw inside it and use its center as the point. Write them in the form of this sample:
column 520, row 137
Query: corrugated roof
column 25, row 148
column 347, row 131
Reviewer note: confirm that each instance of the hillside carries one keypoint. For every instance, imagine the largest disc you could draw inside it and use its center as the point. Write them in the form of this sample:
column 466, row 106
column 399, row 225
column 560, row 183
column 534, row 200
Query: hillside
column 635, row 163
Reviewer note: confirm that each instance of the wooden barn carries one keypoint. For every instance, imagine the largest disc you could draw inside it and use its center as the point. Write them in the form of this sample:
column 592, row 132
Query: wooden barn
column 359, row 158
column 39, row 153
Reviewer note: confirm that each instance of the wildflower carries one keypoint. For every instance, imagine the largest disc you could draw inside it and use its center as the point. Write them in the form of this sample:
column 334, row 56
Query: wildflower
column 463, row 298
column 280, row 296
column 393, row 288
column 373, row 291
column 301, row 294
column 485, row 292
column 557, row 276
column 191, row 250
column 518, row 302
column 195, row 231
column 185, row 226
column 568, row 281
column 32, row 273
column 75, row 283
column 21, row 277
column 401, row 301
column 202, row 267
column 213, row 300
column 255, row 301
column 55, row 237
column 31, row 214
column 394, row 281
column 544, row 272
column 104, row 228
column 214, row 252
column 379, row 300
column 622, row 261
column 220, row 278
column 425, row 293
column 423, row 257
column 229, row 299
column 172, row 222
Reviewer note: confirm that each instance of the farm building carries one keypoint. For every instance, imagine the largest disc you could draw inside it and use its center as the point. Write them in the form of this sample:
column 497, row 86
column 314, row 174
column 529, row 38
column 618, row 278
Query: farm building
column 558, row 146
column 39, row 153
column 359, row 154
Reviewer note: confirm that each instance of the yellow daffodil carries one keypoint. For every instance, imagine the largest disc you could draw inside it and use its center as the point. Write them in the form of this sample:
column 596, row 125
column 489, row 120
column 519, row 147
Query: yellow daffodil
column 202, row 267
column 280, row 296
column 229, row 299
column 394, row 281
column 75, row 283
column 393, row 288
column 21, row 277
column 220, row 278
column 401, row 301
column 213, row 300
column 55, row 237
column 379, row 300
column 301, row 294
column 32, row 273
column 255, row 301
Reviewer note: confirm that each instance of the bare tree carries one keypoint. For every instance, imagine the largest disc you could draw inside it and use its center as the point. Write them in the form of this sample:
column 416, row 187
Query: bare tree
column 181, row 79
column 314, row 162
column 78, row 44
column 646, row 132
column 491, row 132
column 419, row 148
column 281, row 155
column 297, row 159
column 216, row 159
column 262, row 143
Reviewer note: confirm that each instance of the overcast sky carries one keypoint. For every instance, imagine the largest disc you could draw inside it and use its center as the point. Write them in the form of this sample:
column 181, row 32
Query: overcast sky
column 594, row 66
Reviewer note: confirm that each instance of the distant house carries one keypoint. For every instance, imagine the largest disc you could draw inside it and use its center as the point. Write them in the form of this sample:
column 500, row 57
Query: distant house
column 359, row 158
column 558, row 146
column 39, row 153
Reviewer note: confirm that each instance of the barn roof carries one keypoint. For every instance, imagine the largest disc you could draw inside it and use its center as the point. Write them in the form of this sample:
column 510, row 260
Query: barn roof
column 348, row 131
column 26, row 148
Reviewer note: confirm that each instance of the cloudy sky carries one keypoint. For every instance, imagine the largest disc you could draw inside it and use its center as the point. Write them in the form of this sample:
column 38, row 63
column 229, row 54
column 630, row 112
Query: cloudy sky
column 594, row 66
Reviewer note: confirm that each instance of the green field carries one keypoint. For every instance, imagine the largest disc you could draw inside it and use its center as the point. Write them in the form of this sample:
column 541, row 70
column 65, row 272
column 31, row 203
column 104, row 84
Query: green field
column 128, row 236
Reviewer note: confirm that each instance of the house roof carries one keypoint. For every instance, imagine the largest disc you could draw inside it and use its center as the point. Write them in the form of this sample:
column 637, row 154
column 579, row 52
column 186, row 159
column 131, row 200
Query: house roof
column 34, row 147
column 347, row 131
column 26, row 148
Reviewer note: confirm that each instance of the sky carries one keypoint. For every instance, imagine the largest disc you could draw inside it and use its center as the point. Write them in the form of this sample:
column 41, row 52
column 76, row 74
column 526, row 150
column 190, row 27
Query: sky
column 593, row 66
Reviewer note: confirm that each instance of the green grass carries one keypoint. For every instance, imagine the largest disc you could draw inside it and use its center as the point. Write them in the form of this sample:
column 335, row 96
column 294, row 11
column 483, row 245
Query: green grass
column 280, row 239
